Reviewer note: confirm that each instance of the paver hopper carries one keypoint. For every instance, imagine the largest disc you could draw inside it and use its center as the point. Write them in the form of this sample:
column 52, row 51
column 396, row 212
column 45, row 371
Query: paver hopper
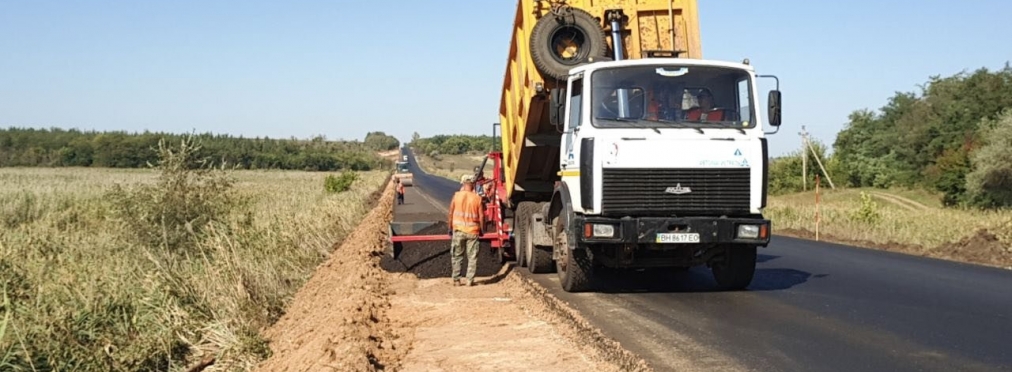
column 497, row 228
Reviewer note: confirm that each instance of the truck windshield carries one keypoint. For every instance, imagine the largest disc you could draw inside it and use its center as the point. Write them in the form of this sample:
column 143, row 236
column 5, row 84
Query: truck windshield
column 671, row 96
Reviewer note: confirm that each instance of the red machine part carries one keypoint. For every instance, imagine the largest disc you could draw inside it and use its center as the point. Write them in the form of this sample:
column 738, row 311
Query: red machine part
column 495, row 201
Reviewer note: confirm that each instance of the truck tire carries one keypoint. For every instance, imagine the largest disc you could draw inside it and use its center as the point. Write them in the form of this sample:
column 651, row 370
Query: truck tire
column 737, row 269
column 553, row 35
column 539, row 258
column 575, row 266
column 521, row 234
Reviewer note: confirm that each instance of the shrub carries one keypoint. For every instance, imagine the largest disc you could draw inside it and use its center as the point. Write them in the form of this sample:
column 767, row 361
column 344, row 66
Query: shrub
column 188, row 195
column 868, row 212
column 341, row 183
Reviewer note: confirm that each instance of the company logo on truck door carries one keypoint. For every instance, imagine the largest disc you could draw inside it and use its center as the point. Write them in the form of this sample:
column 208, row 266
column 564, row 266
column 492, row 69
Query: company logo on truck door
column 678, row 190
column 743, row 162
column 724, row 163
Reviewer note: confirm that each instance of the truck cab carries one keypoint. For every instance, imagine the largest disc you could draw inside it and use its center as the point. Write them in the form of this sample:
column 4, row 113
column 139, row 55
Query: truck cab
column 663, row 163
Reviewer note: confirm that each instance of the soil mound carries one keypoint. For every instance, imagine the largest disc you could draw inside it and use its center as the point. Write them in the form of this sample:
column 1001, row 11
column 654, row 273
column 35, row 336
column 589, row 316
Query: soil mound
column 338, row 320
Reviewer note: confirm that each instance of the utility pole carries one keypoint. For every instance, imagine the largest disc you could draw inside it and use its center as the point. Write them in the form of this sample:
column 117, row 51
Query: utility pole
column 804, row 158
column 806, row 143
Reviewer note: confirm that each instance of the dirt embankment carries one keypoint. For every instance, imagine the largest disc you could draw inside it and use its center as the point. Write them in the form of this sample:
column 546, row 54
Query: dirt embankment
column 338, row 320
column 355, row 314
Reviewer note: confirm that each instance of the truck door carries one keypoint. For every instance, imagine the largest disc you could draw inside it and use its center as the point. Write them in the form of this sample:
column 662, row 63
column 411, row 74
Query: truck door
column 574, row 105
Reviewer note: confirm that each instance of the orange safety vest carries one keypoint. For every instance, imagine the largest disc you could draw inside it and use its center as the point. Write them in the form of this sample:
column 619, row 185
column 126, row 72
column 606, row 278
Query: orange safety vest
column 400, row 188
column 465, row 212
column 696, row 113
column 653, row 110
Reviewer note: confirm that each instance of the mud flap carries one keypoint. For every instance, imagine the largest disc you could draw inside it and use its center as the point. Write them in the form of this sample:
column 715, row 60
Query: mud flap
column 540, row 231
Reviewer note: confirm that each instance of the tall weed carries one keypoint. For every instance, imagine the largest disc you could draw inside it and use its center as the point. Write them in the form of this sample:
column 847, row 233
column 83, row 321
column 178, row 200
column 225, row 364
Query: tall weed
column 126, row 270
column 189, row 195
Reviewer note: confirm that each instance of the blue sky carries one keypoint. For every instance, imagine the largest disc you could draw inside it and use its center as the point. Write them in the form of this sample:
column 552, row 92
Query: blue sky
column 341, row 69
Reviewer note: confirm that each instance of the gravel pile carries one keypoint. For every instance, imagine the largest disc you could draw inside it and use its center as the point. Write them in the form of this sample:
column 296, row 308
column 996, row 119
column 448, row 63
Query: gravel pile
column 429, row 260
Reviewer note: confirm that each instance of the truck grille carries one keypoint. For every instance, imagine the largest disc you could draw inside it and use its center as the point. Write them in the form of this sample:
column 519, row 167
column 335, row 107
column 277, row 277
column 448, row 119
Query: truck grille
column 714, row 191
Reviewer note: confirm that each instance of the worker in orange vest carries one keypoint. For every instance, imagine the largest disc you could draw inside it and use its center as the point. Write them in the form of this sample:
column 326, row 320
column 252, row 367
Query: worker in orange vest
column 466, row 219
column 663, row 103
column 705, row 111
column 400, row 192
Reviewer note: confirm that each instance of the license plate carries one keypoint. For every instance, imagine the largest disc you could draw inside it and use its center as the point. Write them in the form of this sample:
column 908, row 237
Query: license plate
column 678, row 238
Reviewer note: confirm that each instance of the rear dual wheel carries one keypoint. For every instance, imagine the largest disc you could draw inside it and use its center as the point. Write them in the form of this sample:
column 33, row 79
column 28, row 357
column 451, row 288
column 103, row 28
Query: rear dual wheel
column 521, row 230
column 539, row 258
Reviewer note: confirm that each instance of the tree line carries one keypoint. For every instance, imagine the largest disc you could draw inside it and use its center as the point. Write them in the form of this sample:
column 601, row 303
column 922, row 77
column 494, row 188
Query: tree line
column 28, row 147
column 954, row 136
column 452, row 144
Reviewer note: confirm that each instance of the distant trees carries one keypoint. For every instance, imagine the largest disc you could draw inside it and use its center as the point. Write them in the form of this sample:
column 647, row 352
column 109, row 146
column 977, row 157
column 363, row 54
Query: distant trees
column 380, row 141
column 59, row 147
column 785, row 172
column 452, row 144
column 989, row 183
column 929, row 139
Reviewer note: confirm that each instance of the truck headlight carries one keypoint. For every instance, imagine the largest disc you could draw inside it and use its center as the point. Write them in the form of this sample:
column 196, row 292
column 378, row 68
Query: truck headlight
column 599, row 230
column 748, row 231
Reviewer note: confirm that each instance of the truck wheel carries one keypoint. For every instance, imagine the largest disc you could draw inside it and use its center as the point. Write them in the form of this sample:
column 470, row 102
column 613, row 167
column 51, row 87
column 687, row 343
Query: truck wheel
column 561, row 43
column 735, row 272
column 539, row 258
column 520, row 230
column 575, row 266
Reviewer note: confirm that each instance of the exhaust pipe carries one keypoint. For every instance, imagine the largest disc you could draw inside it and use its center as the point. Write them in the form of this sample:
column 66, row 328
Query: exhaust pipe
column 616, row 41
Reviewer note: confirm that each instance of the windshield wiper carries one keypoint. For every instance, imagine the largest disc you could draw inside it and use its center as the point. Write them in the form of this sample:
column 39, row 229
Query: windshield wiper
column 679, row 125
column 634, row 123
column 733, row 126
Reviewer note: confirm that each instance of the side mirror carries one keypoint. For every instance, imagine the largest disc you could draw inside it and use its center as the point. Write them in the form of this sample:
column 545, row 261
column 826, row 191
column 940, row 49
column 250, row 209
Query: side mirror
column 556, row 107
column 774, row 107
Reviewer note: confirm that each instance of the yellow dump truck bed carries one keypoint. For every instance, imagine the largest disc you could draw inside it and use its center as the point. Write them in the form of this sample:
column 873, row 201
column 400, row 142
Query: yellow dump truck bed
column 530, row 143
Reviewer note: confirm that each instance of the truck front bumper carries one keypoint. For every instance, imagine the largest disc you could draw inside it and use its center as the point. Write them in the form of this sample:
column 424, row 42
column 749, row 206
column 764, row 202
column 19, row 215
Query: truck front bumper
column 675, row 231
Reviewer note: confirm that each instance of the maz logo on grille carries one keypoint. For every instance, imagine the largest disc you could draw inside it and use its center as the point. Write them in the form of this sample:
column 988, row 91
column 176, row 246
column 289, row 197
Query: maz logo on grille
column 678, row 190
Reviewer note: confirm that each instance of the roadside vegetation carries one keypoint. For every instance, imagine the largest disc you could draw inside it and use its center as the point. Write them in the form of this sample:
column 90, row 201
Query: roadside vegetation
column 158, row 269
column 453, row 166
column 74, row 148
column 930, row 173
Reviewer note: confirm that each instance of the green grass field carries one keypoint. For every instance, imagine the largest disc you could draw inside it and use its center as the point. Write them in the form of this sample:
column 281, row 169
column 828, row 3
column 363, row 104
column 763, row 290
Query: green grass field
column 95, row 280
column 912, row 221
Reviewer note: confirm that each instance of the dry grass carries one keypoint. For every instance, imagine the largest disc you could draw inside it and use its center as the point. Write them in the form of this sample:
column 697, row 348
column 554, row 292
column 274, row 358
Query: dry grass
column 884, row 217
column 452, row 166
column 84, row 294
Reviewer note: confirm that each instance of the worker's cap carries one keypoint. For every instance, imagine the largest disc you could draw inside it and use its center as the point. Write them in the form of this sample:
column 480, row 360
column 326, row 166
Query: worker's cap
column 467, row 178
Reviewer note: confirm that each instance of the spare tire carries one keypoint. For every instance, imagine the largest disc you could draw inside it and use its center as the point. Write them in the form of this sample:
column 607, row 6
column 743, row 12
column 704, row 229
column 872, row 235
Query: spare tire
column 561, row 42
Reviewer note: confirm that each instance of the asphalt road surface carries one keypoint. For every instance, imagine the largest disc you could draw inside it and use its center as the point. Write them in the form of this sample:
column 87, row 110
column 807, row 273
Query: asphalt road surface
column 812, row 307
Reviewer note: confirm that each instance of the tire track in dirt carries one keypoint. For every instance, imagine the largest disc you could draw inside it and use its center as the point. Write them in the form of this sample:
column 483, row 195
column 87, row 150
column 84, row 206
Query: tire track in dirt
column 905, row 203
